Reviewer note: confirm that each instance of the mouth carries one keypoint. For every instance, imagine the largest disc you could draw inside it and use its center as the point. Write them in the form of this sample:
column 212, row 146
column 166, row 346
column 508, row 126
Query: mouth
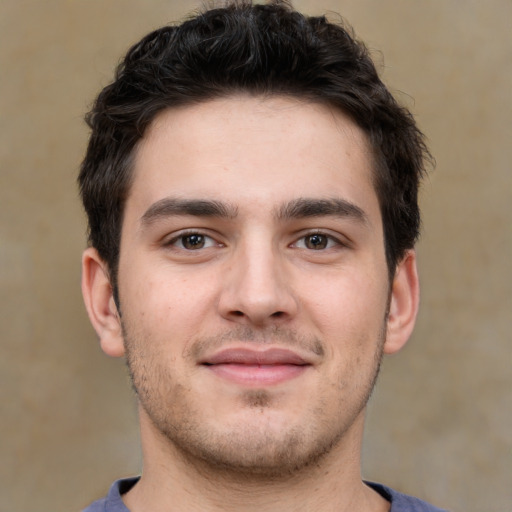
column 256, row 368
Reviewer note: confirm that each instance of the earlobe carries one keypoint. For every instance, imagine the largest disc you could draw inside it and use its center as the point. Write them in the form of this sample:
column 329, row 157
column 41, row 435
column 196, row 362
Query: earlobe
column 404, row 303
column 100, row 304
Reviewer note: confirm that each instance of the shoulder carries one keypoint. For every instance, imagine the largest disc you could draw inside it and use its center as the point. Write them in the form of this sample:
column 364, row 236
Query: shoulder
column 402, row 502
column 113, row 502
column 97, row 506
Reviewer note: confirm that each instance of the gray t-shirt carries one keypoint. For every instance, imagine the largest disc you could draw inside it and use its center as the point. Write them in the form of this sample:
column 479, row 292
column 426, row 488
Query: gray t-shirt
column 399, row 502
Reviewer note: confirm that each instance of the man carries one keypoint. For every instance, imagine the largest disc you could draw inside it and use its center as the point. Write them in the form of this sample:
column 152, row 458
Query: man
column 251, row 190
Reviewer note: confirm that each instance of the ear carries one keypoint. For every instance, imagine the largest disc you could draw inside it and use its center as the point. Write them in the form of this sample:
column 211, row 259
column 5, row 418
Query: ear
column 404, row 302
column 100, row 304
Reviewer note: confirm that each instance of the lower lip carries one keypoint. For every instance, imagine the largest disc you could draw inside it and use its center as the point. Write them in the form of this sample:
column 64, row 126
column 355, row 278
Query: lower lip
column 257, row 375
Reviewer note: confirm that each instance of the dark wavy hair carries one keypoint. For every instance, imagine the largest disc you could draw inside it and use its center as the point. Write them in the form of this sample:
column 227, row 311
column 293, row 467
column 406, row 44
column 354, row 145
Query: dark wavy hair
column 261, row 50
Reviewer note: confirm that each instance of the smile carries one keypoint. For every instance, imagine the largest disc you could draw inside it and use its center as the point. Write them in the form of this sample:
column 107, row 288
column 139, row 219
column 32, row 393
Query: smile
column 256, row 368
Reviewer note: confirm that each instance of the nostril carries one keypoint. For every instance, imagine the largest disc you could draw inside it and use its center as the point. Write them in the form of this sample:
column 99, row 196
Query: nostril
column 277, row 314
column 238, row 313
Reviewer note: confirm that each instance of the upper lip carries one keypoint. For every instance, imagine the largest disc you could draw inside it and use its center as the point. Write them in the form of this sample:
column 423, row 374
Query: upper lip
column 271, row 356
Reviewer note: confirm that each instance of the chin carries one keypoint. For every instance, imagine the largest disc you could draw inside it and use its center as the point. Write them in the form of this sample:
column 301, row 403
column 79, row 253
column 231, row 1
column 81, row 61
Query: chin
column 258, row 442
column 254, row 452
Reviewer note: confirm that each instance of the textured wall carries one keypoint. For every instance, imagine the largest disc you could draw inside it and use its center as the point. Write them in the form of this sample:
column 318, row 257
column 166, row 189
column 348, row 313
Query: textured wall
column 440, row 423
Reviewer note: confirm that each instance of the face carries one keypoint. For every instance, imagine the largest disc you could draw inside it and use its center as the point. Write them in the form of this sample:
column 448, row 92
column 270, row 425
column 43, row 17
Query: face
column 253, row 282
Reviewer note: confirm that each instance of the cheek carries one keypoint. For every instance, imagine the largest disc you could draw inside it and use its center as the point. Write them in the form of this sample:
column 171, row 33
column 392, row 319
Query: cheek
column 348, row 305
column 167, row 307
column 350, row 319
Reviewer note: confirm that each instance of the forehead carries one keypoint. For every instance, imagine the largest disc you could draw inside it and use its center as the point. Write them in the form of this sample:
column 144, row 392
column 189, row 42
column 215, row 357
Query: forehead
column 243, row 148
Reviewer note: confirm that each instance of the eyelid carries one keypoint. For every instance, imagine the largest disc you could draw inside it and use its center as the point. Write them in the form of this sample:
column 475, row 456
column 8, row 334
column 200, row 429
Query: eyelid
column 172, row 240
column 338, row 239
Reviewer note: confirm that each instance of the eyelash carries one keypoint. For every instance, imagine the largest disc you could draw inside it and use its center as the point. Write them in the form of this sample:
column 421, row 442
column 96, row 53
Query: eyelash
column 178, row 241
column 331, row 241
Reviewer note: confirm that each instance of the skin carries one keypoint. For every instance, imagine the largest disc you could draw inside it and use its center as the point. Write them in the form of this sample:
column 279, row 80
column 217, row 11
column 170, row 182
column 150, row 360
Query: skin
column 271, row 241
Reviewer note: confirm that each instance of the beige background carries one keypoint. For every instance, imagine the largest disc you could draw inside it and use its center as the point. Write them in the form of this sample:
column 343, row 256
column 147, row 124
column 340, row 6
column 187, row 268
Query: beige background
column 440, row 424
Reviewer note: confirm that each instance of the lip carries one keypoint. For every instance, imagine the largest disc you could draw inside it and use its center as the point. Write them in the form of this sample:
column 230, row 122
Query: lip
column 254, row 367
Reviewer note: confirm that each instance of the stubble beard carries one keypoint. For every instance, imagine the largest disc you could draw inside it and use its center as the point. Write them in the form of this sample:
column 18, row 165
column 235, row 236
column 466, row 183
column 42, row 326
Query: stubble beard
column 247, row 451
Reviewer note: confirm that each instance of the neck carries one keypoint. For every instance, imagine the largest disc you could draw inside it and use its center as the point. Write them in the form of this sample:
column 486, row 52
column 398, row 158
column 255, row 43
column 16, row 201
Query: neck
column 173, row 480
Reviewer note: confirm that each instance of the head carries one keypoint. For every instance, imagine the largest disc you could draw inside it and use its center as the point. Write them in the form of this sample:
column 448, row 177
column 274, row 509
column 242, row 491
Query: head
column 260, row 50
column 251, row 187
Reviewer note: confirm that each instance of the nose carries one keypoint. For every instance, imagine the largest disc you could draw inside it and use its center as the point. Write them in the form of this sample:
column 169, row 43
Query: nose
column 257, row 288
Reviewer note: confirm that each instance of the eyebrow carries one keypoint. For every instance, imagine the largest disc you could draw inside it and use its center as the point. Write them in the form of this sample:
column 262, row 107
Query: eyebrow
column 306, row 207
column 170, row 206
column 296, row 209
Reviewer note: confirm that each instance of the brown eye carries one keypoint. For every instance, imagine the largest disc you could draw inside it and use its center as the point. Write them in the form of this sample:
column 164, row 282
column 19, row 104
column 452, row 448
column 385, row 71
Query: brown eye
column 316, row 241
column 193, row 241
